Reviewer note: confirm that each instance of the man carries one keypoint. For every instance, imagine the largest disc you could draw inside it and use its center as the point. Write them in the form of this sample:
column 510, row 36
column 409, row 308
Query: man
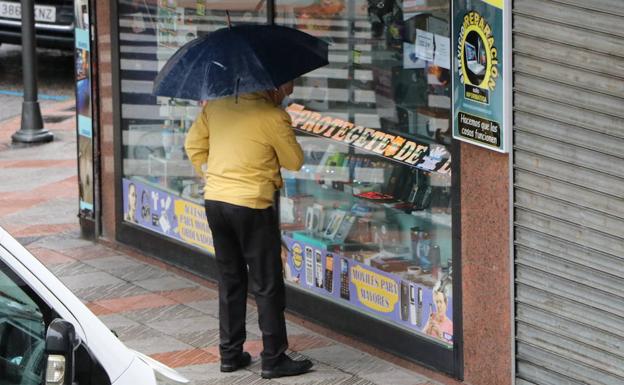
column 243, row 142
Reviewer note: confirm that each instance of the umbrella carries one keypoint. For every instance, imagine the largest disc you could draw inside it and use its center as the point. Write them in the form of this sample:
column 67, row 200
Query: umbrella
column 239, row 59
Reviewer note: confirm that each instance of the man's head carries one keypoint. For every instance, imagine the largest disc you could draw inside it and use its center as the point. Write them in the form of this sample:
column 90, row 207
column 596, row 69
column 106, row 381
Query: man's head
column 277, row 95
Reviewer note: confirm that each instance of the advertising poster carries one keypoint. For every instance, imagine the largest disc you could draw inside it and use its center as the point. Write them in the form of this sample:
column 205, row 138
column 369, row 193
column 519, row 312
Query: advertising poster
column 84, row 115
column 479, row 75
column 384, row 295
column 166, row 214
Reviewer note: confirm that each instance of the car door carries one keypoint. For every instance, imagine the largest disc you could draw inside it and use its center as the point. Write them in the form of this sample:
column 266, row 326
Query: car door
column 23, row 320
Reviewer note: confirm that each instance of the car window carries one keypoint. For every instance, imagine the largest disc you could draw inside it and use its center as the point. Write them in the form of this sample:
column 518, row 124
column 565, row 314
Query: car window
column 22, row 332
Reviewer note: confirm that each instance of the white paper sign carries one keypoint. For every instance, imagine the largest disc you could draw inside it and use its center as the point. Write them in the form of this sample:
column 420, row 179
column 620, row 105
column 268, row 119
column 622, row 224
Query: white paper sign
column 410, row 61
column 442, row 52
column 424, row 45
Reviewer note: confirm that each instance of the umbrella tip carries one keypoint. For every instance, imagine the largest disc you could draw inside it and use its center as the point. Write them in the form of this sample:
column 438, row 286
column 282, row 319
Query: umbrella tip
column 229, row 21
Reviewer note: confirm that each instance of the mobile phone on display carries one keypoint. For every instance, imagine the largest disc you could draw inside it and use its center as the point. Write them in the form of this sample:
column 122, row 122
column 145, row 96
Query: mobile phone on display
column 404, row 301
column 412, row 305
column 319, row 268
column 344, row 279
column 419, row 308
column 329, row 273
column 309, row 265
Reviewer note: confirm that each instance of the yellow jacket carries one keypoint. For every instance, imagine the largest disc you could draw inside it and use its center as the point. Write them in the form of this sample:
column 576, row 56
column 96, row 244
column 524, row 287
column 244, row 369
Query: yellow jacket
column 244, row 145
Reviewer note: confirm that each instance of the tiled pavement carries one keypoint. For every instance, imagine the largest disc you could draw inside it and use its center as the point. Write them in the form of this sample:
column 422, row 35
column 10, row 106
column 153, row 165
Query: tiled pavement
column 156, row 309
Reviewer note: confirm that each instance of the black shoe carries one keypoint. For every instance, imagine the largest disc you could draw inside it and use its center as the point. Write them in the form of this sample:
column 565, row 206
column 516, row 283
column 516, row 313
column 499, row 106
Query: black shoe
column 287, row 367
column 238, row 363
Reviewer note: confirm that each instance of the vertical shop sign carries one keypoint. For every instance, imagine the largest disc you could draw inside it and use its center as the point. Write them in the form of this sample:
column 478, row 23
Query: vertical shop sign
column 84, row 109
column 481, row 73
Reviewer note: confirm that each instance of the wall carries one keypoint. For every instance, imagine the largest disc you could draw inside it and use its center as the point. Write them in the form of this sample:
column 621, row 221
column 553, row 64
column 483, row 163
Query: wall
column 486, row 266
column 105, row 99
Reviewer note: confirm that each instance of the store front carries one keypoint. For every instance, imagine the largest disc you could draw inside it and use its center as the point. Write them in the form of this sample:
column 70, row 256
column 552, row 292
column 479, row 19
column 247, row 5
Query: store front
column 375, row 231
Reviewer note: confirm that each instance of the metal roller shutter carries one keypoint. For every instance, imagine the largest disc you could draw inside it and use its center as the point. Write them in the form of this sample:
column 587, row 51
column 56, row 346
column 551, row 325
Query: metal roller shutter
column 569, row 191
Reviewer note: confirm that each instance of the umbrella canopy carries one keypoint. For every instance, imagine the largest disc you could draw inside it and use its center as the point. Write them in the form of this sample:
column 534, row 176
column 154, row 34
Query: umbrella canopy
column 239, row 59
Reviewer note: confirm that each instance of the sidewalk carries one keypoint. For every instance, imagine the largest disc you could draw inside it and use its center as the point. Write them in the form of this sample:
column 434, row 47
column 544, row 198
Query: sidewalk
column 156, row 309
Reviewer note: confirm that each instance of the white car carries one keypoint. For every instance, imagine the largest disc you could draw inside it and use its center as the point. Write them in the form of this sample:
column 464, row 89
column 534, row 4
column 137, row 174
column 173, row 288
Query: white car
column 48, row 336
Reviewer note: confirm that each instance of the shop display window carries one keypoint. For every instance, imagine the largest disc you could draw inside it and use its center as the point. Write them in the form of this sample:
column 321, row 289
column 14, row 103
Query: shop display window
column 367, row 221
column 161, row 190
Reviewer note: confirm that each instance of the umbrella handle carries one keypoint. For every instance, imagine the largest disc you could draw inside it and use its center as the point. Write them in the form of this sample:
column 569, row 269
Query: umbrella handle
column 229, row 21
column 236, row 89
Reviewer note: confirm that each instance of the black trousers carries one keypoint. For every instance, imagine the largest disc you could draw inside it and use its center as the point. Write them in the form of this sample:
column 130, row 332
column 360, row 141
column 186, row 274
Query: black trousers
column 247, row 247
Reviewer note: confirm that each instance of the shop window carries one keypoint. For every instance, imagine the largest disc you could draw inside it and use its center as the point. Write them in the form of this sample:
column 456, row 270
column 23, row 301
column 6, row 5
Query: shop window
column 367, row 221
column 161, row 191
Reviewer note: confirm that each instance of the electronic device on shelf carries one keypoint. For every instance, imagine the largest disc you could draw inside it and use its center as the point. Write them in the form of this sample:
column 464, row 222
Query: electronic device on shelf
column 319, row 268
column 404, row 301
column 309, row 265
column 329, row 273
column 344, row 279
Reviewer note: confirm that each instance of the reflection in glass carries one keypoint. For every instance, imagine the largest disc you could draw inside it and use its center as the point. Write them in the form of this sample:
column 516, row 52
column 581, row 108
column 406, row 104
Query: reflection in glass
column 154, row 128
column 374, row 194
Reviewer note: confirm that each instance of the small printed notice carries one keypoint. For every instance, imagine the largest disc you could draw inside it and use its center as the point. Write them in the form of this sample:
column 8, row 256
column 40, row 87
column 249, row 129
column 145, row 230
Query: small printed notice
column 424, row 45
column 479, row 130
column 442, row 57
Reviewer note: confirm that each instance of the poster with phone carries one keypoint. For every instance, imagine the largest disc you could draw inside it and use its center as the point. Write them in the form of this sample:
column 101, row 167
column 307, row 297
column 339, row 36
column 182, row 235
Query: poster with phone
column 166, row 214
column 480, row 79
column 84, row 115
column 383, row 295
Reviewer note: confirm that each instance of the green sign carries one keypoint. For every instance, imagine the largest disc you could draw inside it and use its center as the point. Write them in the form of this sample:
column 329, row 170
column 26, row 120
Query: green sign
column 480, row 77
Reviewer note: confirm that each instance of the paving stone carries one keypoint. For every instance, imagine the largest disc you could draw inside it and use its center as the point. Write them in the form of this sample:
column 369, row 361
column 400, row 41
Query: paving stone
column 81, row 281
column 164, row 313
column 320, row 374
column 63, row 147
column 117, row 320
column 136, row 332
column 61, row 243
column 93, row 251
column 209, row 374
column 136, row 302
column 201, row 339
column 50, row 257
column 138, row 273
column 191, row 294
column 25, row 179
column 114, row 263
column 395, row 376
column 187, row 325
column 53, row 211
column 98, row 293
column 170, row 282
column 157, row 344
column 210, row 307
column 26, row 240
column 347, row 359
column 75, row 268
column 180, row 358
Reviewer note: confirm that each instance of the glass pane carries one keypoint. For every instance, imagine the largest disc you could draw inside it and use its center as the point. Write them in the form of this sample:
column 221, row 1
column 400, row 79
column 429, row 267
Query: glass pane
column 161, row 189
column 22, row 335
column 368, row 219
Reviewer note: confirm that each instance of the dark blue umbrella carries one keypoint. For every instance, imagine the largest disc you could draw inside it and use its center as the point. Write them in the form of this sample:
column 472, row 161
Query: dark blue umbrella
column 239, row 59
